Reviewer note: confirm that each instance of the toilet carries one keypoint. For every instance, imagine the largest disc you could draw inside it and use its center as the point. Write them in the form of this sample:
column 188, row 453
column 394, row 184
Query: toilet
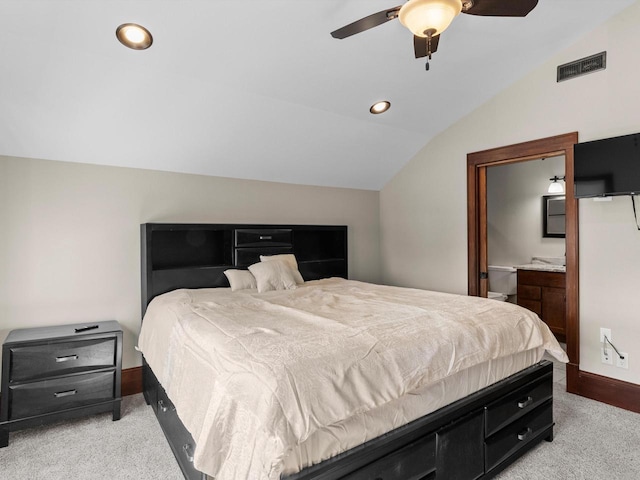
column 503, row 282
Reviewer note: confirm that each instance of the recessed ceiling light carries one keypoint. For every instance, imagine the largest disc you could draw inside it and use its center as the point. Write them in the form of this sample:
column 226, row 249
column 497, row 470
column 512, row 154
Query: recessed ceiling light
column 380, row 107
column 134, row 36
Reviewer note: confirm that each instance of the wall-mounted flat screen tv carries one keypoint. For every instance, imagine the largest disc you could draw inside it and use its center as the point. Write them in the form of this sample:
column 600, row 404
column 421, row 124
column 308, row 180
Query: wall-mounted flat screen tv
column 607, row 167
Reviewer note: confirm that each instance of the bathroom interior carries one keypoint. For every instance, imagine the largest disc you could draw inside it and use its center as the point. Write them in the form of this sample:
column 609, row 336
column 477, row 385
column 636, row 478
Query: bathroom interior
column 526, row 241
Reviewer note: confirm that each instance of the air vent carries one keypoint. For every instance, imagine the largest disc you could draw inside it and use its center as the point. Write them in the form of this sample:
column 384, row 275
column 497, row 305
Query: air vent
column 583, row 66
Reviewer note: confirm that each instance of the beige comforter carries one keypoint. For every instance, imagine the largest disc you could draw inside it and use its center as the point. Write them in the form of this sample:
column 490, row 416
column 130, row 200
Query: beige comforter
column 252, row 375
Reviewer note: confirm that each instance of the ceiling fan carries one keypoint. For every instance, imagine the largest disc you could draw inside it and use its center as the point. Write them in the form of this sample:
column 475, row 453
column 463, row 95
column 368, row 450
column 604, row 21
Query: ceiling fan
column 427, row 19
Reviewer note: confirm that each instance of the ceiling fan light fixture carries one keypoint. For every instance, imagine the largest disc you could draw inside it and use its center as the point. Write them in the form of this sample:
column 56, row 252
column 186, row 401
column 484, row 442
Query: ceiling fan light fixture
column 380, row 107
column 134, row 36
column 422, row 16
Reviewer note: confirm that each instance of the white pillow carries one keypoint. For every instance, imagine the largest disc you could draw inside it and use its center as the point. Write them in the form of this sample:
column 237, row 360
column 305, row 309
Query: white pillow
column 289, row 259
column 240, row 279
column 273, row 275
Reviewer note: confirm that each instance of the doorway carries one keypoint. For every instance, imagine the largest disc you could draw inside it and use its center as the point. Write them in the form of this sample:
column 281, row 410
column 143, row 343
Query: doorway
column 477, row 164
column 525, row 238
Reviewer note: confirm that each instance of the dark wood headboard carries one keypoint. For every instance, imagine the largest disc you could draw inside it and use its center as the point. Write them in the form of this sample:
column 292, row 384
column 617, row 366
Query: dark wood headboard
column 179, row 255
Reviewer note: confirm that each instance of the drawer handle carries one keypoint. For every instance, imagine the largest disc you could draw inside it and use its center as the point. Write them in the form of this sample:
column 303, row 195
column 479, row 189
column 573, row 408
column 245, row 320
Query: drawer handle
column 66, row 393
column 66, row 358
column 188, row 451
column 266, row 237
column 525, row 403
column 524, row 434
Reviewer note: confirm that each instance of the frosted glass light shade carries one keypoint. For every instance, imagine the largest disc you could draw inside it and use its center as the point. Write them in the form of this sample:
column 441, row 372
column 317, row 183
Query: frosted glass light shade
column 422, row 15
column 556, row 187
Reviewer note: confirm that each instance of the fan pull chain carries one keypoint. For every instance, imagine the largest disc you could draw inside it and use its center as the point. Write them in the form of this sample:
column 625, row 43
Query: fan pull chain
column 429, row 33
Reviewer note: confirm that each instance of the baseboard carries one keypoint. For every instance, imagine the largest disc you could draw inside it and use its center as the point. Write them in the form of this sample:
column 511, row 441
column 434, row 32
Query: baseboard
column 603, row 389
column 131, row 381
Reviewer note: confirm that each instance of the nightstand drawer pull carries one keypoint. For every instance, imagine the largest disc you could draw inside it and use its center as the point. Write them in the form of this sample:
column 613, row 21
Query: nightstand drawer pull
column 524, row 434
column 266, row 237
column 66, row 358
column 66, row 393
column 525, row 403
column 188, row 451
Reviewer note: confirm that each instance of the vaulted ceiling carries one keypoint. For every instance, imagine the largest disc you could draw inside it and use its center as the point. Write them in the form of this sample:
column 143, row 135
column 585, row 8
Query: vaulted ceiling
column 256, row 89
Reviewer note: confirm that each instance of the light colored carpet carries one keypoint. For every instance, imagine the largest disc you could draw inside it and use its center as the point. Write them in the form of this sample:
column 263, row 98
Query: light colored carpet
column 592, row 441
column 93, row 448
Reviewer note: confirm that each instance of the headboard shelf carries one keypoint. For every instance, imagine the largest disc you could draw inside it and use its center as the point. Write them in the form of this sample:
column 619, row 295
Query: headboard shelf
column 175, row 255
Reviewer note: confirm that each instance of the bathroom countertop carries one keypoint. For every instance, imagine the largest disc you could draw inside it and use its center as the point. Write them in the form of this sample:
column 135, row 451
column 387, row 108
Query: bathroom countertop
column 543, row 267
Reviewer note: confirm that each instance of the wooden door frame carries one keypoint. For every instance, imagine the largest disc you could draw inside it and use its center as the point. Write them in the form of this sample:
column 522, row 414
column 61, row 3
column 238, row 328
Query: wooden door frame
column 477, row 164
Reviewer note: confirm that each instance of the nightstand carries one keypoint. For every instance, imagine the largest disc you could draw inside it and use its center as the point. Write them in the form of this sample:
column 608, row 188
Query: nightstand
column 60, row 372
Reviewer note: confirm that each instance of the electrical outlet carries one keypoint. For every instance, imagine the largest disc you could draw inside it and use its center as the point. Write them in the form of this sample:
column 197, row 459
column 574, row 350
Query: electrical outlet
column 606, row 355
column 607, row 332
column 622, row 362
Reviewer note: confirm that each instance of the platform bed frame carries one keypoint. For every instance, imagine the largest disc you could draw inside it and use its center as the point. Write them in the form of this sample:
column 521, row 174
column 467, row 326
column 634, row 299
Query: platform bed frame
column 475, row 437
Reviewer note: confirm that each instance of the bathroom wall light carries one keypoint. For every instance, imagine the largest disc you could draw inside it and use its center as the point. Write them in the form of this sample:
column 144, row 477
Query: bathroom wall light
column 380, row 107
column 134, row 36
column 556, row 186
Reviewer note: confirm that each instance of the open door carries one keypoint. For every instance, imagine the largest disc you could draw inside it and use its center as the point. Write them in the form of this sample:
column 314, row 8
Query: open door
column 477, row 164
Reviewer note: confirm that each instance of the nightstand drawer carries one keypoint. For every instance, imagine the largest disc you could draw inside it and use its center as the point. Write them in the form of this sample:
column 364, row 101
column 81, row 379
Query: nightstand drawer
column 32, row 362
column 519, row 403
column 515, row 436
column 46, row 396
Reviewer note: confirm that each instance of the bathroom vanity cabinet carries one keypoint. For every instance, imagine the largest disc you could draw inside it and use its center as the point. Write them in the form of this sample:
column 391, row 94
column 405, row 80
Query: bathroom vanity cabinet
column 543, row 292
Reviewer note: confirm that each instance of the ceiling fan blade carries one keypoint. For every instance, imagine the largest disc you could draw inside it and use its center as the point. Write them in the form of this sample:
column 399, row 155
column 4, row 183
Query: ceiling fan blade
column 366, row 23
column 501, row 8
column 420, row 45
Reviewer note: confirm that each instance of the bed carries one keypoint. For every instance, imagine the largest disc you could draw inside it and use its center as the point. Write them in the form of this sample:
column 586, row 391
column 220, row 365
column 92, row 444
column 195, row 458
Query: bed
column 429, row 403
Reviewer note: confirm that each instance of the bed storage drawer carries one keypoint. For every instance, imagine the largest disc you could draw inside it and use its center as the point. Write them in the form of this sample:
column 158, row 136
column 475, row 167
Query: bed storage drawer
column 273, row 237
column 516, row 404
column 505, row 442
column 180, row 440
column 46, row 396
column 460, row 447
column 31, row 362
column 413, row 462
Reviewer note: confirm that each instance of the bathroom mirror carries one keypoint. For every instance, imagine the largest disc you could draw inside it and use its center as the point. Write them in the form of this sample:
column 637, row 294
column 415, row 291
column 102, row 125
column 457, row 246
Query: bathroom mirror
column 553, row 216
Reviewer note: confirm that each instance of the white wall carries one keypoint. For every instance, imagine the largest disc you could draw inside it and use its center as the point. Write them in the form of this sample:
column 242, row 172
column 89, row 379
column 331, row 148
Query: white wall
column 609, row 283
column 70, row 233
column 514, row 211
column 423, row 209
